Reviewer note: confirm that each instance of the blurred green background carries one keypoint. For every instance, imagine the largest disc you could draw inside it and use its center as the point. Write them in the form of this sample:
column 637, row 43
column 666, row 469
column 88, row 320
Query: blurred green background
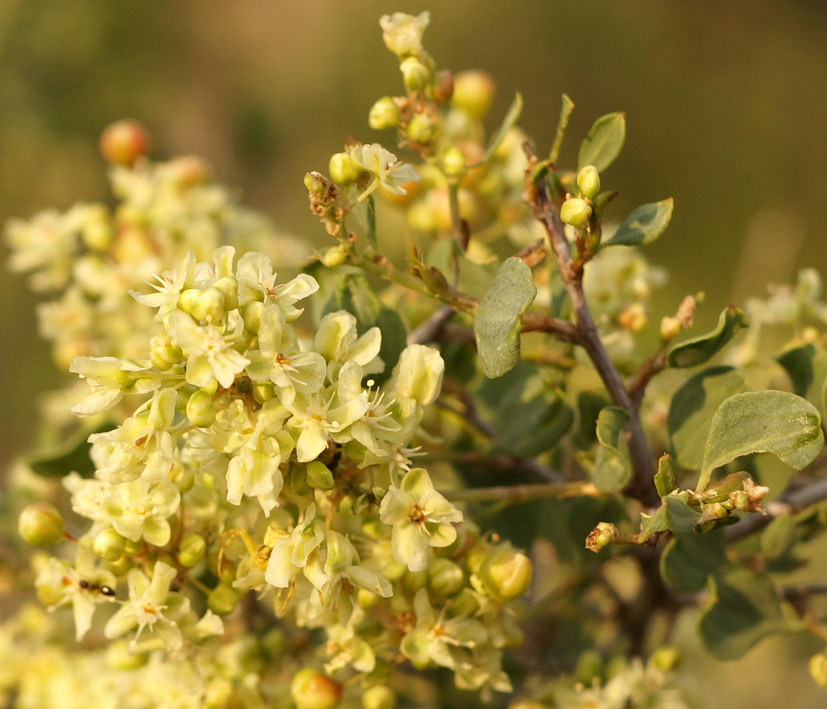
column 726, row 105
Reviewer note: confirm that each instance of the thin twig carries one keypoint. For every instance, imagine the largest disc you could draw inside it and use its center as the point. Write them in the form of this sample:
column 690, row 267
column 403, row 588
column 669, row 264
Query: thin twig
column 789, row 503
column 524, row 493
column 588, row 336
column 430, row 329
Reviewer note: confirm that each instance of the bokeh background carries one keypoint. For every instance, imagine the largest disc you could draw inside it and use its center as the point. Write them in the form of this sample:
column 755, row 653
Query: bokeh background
column 726, row 104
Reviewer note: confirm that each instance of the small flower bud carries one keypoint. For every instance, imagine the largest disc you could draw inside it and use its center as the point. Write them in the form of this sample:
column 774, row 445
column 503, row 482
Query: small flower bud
column 414, row 580
column 222, row 599
column 313, row 184
column 209, row 305
column 506, row 573
column 218, row 693
column 263, row 391
column 633, row 318
column 453, row 162
column 421, row 129
column 384, row 114
column 163, row 354
column 473, row 93
column 201, row 409
column 670, row 328
column 334, row 256
column 575, row 211
column 666, row 658
column 588, row 180
column 108, row 545
column 818, row 668
column 313, row 690
column 343, row 170
column 445, row 577
column 41, row 525
column 191, row 549
column 251, row 315
column 379, row 697
column 97, row 233
column 319, row 475
column 183, row 477
column 123, row 142
column 443, row 86
column 589, row 666
column 414, row 74
column 367, row 599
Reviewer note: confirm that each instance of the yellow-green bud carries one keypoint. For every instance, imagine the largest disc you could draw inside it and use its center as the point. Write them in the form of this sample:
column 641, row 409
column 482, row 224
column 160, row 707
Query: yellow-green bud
column 275, row 643
column 201, row 409
column 526, row 704
column 218, row 693
column 465, row 603
column 191, row 549
column 313, row 184
column 222, row 599
column 473, row 93
column 421, row 129
column 384, row 114
column 476, row 557
column 414, row 580
column 367, row 599
column 251, row 315
column 666, row 658
column 445, row 577
column 162, row 353
column 97, row 232
column 334, row 256
column 209, row 305
column 414, row 74
column 818, row 669
column 120, row 657
column 263, row 391
column 453, row 162
column 319, row 475
column 506, row 573
column 670, row 328
column 575, row 211
column 41, row 525
column 313, row 690
column 343, row 170
column 182, row 476
column 379, row 697
column 588, row 180
column 108, row 545
column 297, row 480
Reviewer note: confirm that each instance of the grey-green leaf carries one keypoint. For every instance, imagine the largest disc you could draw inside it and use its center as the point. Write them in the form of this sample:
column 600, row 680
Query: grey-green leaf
column 644, row 224
column 562, row 123
column 699, row 349
column 688, row 560
column 776, row 422
column 665, row 478
column 680, row 517
column 604, row 142
column 744, row 609
column 612, row 470
column 692, row 408
column 510, row 119
column 497, row 322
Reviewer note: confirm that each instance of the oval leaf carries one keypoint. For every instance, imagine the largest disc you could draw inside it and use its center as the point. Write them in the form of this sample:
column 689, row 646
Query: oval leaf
column 699, row 349
column 743, row 610
column 604, row 142
column 774, row 422
column 644, row 224
column 497, row 323
column 692, row 408
column 612, row 470
column 688, row 560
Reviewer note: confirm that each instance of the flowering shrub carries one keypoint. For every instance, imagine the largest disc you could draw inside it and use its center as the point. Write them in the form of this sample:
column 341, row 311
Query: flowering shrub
column 277, row 489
